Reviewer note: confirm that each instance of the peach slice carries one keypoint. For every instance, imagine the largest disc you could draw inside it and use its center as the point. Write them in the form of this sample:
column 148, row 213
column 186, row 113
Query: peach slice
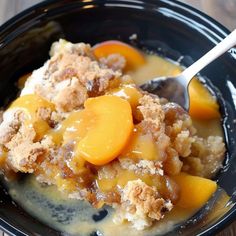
column 141, row 146
column 134, row 58
column 108, row 130
column 202, row 104
column 128, row 92
column 194, row 191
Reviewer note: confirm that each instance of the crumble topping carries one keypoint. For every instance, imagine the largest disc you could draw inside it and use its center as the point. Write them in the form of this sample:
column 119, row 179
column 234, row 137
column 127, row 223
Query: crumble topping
column 109, row 171
column 142, row 166
column 141, row 204
column 172, row 164
column 69, row 76
column 183, row 143
column 44, row 114
column 206, row 156
column 116, row 62
column 11, row 122
column 68, row 79
column 153, row 115
column 71, row 96
column 23, row 151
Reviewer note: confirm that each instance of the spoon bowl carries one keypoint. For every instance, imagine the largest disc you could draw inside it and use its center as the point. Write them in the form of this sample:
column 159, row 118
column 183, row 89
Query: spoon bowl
column 175, row 89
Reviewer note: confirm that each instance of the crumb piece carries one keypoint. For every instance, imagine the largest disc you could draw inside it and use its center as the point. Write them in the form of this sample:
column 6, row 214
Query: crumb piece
column 183, row 143
column 193, row 165
column 23, row 152
column 127, row 79
column 79, row 195
column 12, row 120
column 109, row 171
column 153, row 115
column 63, row 46
column 57, row 117
column 162, row 143
column 142, row 166
column 48, row 143
column 172, row 164
column 23, row 157
column 216, row 144
column 44, row 113
column 206, row 156
column 116, row 62
column 18, row 138
column 183, row 123
column 173, row 112
column 71, row 97
column 141, row 205
column 46, row 173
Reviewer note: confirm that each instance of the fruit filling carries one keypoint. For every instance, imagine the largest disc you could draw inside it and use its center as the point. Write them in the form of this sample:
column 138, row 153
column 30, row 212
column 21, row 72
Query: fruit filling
column 82, row 124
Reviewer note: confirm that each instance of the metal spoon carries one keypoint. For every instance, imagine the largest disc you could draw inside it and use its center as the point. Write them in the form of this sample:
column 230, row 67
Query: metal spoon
column 175, row 89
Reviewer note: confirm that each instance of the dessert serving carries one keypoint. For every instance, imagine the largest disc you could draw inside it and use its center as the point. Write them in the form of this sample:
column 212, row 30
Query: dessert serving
column 82, row 125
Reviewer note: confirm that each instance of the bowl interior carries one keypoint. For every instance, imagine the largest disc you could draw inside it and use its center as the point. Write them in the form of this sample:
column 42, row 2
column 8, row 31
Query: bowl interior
column 165, row 26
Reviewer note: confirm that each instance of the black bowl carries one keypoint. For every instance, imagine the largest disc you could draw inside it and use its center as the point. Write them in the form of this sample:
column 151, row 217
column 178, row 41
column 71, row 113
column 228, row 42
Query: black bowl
column 168, row 27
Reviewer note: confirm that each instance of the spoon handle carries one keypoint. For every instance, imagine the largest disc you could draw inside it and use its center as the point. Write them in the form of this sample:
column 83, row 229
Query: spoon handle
column 214, row 53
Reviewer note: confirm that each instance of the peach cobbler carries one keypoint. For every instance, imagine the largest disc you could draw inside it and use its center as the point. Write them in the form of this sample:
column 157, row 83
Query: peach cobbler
column 82, row 124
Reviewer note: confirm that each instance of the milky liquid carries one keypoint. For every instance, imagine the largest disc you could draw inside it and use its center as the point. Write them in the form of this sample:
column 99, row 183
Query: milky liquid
column 76, row 217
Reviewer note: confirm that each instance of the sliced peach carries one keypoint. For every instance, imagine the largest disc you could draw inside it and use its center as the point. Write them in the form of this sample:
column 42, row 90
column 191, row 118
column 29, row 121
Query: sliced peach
column 202, row 104
column 134, row 58
column 194, row 191
column 141, row 146
column 77, row 124
column 31, row 104
column 73, row 128
column 128, row 92
column 40, row 126
column 109, row 131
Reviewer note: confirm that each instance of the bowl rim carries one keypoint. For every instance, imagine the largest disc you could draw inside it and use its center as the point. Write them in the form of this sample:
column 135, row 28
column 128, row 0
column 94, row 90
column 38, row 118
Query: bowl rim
column 216, row 27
